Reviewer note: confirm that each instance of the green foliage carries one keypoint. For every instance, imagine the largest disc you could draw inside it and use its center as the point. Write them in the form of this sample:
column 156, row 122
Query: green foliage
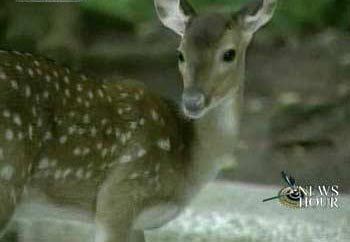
column 300, row 15
column 132, row 10
column 141, row 10
column 293, row 16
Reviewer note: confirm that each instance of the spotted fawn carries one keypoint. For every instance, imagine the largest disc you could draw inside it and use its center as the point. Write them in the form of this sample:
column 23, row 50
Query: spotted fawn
column 114, row 150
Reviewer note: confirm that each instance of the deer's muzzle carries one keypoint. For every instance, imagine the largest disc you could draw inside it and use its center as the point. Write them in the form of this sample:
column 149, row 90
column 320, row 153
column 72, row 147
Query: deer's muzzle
column 193, row 102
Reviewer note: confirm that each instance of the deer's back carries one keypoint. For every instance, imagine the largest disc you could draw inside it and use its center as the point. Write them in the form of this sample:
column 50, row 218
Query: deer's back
column 76, row 132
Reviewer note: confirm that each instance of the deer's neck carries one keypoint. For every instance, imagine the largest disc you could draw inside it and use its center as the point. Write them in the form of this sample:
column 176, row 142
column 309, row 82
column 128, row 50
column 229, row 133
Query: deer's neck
column 214, row 142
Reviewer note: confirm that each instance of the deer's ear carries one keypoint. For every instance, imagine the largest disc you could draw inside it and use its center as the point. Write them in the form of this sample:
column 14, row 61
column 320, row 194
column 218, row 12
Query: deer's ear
column 256, row 14
column 174, row 14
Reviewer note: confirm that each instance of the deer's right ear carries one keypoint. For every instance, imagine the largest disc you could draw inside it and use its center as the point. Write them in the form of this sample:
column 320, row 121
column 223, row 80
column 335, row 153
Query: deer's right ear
column 256, row 14
column 174, row 14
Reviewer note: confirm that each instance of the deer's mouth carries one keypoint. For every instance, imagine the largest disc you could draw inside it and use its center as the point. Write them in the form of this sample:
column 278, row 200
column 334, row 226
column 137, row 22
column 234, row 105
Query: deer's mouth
column 194, row 114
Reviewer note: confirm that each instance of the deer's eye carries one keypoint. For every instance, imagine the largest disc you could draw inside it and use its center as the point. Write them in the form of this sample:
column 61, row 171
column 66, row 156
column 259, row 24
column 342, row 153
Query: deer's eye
column 229, row 55
column 180, row 56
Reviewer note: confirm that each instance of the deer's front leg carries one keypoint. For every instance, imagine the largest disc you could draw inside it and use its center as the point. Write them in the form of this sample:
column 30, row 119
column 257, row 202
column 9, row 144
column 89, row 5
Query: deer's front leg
column 117, row 207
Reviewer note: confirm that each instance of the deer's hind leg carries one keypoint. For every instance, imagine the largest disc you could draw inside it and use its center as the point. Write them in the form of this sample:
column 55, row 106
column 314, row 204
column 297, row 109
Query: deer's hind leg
column 14, row 170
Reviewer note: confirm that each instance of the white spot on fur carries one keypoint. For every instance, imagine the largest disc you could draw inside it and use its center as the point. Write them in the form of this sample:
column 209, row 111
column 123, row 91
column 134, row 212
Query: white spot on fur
column 141, row 152
column 7, row 172
column 124, row 95
column 83, row 77
column 79, row 174
column 17, row 120
column 19, row 68
column 38, row 71
column 79, row 87
column 44, row 163
column 164, row 144
column 34, row 111
column 133, row 125
column 66, row 173
column 58, row 174
column 48, row 78
column 9, row 135
column 63, row 139
column 125, row 159
column 67, row 92
column 100, row 93
column 142, row 121
column 114, row 149
column 14, row 84
column 87, row 104
column 37, row 98
column 2, row 157
column 99, row 146
column 46, row 94
column 20, row 135
column 53, row 163
column 117, row 133
column 39, row 123
column 93, row 131
column 88, row 175
column 90, row 95
column 109, row 131
column 30, row 72
column 157, row 168
column 3, row 75
column 104, row 122
column 86, row 151
column 123, row 139
column 86, row 118
column 154, row 115
column 134, row 176
column 28, row 91
column 104, row 152
column 66, row 79
column 81, row 131
column 6, row 113
column 71, row 130
column 77, row 151
column 48, row 135
column 30, row 132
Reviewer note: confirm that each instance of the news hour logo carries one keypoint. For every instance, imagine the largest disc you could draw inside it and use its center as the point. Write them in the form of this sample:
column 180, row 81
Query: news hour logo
column 306, row 196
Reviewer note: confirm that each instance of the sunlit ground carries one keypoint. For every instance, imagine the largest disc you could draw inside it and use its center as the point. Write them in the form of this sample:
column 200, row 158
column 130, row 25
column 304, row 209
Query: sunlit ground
column 222, row 212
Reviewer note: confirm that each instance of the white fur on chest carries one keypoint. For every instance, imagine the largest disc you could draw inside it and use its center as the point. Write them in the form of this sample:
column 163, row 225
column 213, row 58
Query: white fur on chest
column 216, row 135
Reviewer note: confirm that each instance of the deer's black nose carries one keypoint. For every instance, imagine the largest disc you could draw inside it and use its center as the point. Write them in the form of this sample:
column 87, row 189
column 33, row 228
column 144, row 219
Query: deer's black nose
column 193, row 101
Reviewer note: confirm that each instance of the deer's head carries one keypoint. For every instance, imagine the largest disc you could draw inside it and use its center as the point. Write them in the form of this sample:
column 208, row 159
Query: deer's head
column 212, row 50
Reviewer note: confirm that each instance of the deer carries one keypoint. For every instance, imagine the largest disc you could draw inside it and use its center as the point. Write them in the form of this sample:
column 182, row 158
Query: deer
column 114, row 150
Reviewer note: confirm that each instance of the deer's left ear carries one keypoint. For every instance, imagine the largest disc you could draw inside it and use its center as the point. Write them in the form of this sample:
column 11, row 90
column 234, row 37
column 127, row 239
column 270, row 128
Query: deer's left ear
column 174, row 14
column 256, row 14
